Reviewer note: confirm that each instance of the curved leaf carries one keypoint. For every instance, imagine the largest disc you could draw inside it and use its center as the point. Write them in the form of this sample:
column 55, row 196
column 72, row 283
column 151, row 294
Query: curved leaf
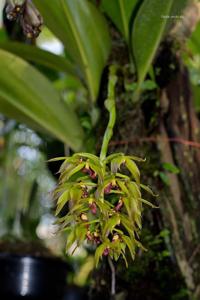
column 25, row 94
column 83, row 30
column 120, row 12
column 147, row 33
column 40, row 56
column 132, row 167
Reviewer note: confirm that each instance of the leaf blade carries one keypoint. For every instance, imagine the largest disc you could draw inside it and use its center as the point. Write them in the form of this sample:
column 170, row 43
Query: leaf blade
column 83, row 30
column 26, row 89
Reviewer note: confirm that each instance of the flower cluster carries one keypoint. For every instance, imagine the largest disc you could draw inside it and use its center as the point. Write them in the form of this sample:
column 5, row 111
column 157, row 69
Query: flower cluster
column 100, row 204
column 27, row 15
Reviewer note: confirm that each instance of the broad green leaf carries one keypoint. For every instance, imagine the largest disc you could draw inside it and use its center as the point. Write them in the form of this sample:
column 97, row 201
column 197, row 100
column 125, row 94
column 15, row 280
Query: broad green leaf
column 12, row 112
column 25, row 89
column 148, row 29
column 39, row 56
column 83, row 30
column 120, row 12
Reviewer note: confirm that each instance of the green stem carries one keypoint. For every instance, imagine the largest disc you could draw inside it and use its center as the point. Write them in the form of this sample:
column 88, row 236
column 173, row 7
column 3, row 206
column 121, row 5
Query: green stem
column 113, row 277
column 110, row 106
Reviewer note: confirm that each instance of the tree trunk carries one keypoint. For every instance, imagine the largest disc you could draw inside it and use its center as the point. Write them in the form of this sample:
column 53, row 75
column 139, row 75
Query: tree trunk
column 181, row 207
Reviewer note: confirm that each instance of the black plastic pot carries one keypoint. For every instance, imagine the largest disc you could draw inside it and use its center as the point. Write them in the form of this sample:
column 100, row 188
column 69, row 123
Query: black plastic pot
column 34, row 278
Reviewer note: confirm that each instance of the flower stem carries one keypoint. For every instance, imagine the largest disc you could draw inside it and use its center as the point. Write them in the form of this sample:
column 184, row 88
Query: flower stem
column 110, row 106
column 113, row 277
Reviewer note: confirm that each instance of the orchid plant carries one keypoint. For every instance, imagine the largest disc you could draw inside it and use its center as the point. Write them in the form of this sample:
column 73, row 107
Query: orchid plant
column 99, row 198
column 104, row 203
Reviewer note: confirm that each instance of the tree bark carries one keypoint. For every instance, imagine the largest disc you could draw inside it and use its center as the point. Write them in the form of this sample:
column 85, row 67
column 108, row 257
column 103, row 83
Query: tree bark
column 182, row 206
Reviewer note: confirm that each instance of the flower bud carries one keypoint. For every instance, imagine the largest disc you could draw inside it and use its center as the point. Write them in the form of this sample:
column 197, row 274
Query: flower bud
column 93, row 208
column 14, row 9
column 31, row 21
column 108, row 188
column 84, row 217
column 119, row 205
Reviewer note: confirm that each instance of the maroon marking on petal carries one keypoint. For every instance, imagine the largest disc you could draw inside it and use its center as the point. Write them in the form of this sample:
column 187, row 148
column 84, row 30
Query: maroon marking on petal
column 106, row 252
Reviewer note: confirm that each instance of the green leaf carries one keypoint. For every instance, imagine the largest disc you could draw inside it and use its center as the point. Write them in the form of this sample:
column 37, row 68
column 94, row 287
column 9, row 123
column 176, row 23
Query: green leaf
column 193, row 42
column 92, row 157
column 83, row 30
column 64, row 197
column 136, row 158
column 99, row 252
column 80, row 233
column 171, row 168
column 147, row 189
column 110, row 224
column 65, row 221
column 26, row 95
column 39, row 56
column 130, row 245
column 113, row 156
column 120, row 12
column 148, row 29
column 164, row 178
column 148, row 85
column 134, row 189
column 57, row 158
column 123, row 187
column 128, row 226
column 62, row 201
column 148, row 203
column 75, row 194
column 116, row 163
column 131, row 165
column 73, row 171
column 70, row 239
